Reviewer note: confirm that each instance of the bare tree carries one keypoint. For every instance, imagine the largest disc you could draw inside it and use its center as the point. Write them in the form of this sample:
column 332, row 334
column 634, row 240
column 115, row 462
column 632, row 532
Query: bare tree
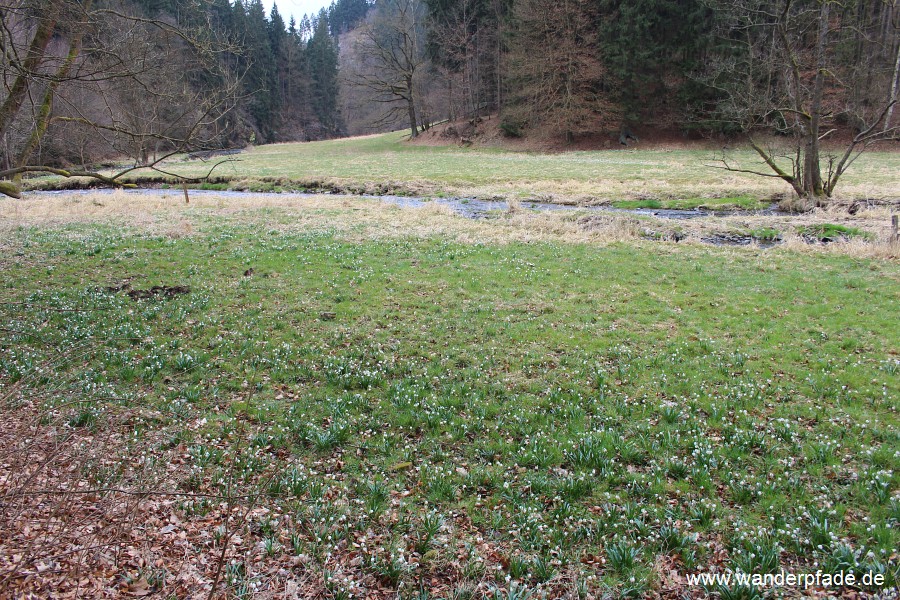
column 457, row 33
column 391, row 58
column 71, row 64
column 789, row 73
column 556, row 75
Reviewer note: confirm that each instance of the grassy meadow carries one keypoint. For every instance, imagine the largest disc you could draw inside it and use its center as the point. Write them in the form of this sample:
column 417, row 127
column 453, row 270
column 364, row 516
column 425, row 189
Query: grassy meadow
column 333, row 398
column 386, row 163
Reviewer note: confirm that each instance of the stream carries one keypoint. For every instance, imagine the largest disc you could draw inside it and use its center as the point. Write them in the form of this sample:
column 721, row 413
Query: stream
column 470, row 208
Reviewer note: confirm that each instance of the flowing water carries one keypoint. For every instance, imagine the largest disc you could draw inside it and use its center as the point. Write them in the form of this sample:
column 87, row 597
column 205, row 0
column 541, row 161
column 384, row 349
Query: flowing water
column 471, row 208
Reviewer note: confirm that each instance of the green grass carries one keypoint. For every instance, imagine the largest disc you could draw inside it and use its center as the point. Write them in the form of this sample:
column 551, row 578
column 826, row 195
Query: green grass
column 388, row 164
column 213, row 186
column 632, row 204
column 765, row 234
column 739, row 202
column 831, row 232
column 484, row 411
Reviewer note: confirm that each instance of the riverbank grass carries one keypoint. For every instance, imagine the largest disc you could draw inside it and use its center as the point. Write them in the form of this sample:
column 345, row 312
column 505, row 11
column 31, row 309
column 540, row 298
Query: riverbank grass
column 732, row 203
column 388, row 164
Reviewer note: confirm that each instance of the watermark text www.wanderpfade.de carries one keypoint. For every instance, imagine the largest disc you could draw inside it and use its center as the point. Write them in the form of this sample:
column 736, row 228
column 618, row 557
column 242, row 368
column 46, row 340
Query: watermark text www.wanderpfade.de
column 819, row 579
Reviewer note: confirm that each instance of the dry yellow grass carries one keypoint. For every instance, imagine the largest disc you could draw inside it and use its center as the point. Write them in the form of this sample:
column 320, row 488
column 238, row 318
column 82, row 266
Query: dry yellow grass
column 384, row 163
column 361, row 218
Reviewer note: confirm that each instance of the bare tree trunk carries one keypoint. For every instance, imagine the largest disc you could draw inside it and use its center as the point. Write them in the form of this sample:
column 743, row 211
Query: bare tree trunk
column 411, row 107
column 42, row 121
column 7, row 164
column 36, row 53
column 812, row 177
column 498, row 14
column 895, row 83
column 451, row 113
column 475, row 82
column 812, row 173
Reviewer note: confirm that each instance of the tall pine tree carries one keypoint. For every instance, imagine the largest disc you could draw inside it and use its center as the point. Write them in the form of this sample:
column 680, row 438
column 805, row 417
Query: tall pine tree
column 258, row 78
column 322, row 55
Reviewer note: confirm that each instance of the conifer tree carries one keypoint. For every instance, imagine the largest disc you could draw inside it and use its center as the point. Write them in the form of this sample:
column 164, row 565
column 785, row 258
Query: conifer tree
column 323, row 66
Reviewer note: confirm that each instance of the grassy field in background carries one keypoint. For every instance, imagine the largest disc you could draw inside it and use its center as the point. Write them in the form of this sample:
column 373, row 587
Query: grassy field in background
column 387, row 164
column 413, row 414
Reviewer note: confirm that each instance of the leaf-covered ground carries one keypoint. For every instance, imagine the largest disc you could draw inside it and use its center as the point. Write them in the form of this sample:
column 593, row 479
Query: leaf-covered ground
column 324, row 413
